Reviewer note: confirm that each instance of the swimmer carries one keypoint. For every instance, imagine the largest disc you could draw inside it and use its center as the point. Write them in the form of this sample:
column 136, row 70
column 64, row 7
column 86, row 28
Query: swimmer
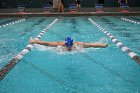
column 50, row 3
column 69, row 45
column 61, row 6
column 78, row 4
column 122, row 2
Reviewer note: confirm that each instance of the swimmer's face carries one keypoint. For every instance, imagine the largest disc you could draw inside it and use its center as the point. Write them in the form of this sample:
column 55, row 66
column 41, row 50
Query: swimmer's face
column 69, row 48
column 69, row 43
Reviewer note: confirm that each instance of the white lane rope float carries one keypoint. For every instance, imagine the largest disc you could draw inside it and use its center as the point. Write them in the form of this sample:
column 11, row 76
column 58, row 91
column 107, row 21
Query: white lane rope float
column 117, row 42
column 12, row 23
column 131, row 21
column 5, row 70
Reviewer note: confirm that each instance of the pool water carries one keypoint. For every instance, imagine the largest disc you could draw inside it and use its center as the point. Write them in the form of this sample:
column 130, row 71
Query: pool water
column 93, row 70
column 14, row 38
column 6, row 20
column 126, row 32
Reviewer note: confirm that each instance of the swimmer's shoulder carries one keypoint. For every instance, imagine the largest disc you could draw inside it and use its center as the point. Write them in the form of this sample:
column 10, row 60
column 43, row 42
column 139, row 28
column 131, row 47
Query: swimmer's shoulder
column 78, row 43
column 60, row 43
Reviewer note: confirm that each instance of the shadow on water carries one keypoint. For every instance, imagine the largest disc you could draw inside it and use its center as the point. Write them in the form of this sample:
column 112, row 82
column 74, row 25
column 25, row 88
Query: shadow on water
column 30, row 29
column 47, row 74
column 108, row 22
column 74, row 26
column 39, row 22
column 115, row 27
column 136, row 19
column 119, row 28
column 8, row 21
column 127, row 35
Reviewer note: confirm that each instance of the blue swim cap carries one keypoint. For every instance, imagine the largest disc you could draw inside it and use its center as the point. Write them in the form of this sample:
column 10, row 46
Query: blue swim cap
column 68, row 41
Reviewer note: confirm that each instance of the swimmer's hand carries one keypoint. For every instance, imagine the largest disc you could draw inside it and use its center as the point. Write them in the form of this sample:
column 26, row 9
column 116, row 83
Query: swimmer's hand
column 33, row 41
column 106, row 45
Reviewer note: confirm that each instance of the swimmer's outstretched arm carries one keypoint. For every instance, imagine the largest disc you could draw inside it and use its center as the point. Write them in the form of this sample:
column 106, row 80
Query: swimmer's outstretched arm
column 96, row 45
column 53, row 44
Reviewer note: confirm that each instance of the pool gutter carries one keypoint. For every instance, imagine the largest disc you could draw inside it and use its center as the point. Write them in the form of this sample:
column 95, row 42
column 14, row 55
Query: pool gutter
column 49, row 14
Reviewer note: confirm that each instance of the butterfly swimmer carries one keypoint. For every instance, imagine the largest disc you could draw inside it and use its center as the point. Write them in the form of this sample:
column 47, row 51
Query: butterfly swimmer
column 68, row 44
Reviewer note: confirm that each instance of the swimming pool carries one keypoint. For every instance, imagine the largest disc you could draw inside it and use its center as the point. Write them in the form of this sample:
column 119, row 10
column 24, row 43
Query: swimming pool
column 46, row 69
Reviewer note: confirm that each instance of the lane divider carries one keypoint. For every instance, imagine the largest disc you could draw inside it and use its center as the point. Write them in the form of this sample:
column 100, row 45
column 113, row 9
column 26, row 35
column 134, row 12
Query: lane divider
column 131, row 21
column 12, row 23
column 5, row 70
column 117, row 42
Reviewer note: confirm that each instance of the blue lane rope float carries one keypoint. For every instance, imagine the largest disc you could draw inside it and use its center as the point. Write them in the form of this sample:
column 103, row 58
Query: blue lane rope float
column 117, row 42
column 131, row 21
column 12, row 23
column 4, row 71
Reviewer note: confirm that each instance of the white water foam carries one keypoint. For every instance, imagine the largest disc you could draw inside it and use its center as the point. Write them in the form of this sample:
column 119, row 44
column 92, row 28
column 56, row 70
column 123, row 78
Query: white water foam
column 58, row 50
column 38, row 47
column 103, row 40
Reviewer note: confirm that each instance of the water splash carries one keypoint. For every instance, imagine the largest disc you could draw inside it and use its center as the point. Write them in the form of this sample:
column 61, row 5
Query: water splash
column 102, row 40
column 62, row 51
column 59, row 50
column 38, row 47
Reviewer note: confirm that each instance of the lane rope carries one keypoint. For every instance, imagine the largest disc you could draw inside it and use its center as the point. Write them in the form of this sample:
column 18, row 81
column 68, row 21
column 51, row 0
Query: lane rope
column 5, row 70
column 131, row 21
column 12, row 23
column 117, row 42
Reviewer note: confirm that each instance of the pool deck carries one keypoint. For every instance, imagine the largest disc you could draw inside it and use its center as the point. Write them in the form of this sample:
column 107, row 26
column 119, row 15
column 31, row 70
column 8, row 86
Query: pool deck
column 48, row 14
